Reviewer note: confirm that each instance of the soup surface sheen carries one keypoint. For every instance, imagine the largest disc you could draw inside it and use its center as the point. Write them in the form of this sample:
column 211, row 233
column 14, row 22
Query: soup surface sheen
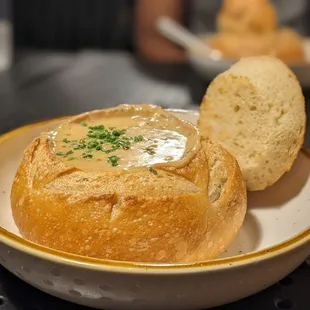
column 118, row 142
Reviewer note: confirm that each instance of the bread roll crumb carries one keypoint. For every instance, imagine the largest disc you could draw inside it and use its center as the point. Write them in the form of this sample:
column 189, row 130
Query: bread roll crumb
column 256, row 110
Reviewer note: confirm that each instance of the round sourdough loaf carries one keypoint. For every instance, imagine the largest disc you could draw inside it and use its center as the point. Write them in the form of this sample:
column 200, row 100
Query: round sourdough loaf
column 165, row 195
column 256, row 110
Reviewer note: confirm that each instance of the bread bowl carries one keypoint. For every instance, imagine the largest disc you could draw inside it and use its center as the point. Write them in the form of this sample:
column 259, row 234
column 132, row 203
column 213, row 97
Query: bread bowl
column 256, row 110
column 164, row 194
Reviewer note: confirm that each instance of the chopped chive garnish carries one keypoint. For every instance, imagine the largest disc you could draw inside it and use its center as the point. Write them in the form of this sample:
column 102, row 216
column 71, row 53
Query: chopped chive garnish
column 152, row 170
column 102, row 139
column 150, row 151
column 99, row 127
column 119, row 132
column 113, row 160
column 92, row 144
column 138, row 138
column 87, row 156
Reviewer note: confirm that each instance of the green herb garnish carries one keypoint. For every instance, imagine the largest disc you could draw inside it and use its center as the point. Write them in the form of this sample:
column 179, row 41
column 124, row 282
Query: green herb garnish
column 138, row 138
column 113, row 160
column 87, row 156
column 98, row 127
column 92, row 144
column 103, row 139
column 118, row 133
column 64, row 154
column 152, row 170
column 150, row 151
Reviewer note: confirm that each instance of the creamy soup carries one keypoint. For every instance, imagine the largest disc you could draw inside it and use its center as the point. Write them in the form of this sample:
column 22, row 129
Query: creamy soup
column 126, row 141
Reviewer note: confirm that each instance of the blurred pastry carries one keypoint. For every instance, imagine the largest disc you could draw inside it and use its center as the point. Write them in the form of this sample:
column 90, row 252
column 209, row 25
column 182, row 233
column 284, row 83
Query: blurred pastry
column 284, row 43
column 235, row 45
column 256, row 16
column 288, row 46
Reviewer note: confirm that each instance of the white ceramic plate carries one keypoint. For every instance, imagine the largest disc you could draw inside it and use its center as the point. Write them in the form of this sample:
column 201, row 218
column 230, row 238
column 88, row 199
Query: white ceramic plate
column 209, row 69
column 274, row 240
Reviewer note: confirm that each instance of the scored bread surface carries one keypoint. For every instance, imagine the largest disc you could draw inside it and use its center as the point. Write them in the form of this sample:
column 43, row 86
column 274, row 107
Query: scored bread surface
column 256, row 110
column 181, row 214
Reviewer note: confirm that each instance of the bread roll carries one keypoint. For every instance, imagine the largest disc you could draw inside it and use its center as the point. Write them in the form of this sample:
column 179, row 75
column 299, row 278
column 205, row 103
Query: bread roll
column 239, row 16
column 256, row 110
column 130, row 183
column 236, row 46
column 288, row 46
column 284, row 44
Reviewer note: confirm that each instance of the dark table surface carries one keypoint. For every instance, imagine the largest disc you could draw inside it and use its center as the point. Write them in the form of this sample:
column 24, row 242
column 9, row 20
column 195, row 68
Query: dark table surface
column 50, row 84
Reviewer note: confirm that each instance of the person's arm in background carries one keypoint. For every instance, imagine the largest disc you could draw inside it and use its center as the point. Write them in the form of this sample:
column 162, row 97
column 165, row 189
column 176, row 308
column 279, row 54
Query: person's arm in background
column 148, row 41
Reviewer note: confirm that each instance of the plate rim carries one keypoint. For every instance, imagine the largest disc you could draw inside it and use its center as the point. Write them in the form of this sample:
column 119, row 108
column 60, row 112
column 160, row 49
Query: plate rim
column 104, row 265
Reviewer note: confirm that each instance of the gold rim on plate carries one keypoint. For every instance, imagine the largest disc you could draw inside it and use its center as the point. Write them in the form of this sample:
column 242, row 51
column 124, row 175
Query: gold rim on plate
column 56, row 256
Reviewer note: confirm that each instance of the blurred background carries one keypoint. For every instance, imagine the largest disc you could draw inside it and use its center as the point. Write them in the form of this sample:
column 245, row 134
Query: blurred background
column 63, row 57
column 60, row 57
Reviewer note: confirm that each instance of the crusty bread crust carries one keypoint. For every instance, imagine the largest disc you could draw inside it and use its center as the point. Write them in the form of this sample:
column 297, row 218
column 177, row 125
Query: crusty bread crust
column 256, row 110
column 187, row 212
